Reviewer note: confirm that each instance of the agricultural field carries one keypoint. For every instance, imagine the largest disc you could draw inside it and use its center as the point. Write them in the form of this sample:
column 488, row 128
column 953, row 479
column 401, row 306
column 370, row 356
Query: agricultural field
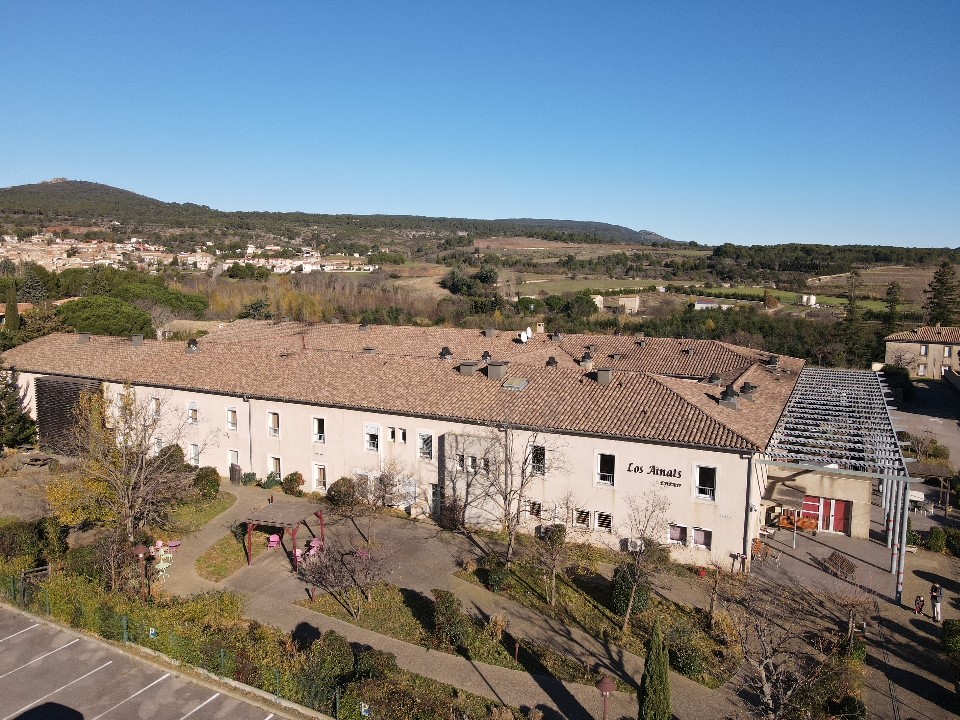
column 875, row 280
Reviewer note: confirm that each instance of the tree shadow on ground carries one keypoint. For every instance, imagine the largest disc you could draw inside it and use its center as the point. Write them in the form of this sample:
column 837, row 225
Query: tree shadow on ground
column 421, row 607
column 50, row 711
column 304, row 635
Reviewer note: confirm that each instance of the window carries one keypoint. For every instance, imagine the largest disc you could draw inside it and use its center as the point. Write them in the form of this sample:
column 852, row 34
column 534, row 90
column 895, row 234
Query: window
column 231, row 419
column 319, row 477
column 606, row 465
column 273, row 424
column 392, row 434
column 921, row 369
column 193, row 414
column 157, row 445
column 372, row 438
column 273, row 465
column 538, row 460
column 155, row 407
column 485, row 462
column 461, row 462
column 706, row 483
column 947, row 351
column 319, row 430
column 402, row 437
column 425, row 445
column 678, row 534
column 581, row 518
column 193, row 456
column 534, row 509
column 924, row 349
column 604, row 522
column 702, row 538
column 233, row 457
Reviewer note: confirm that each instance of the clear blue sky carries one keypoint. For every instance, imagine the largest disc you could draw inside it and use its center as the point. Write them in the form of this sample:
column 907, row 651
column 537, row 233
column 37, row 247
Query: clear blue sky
column 744, row 122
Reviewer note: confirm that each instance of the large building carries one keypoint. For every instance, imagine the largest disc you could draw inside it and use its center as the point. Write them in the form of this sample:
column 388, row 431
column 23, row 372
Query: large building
column 590, row 422
column 925, row 351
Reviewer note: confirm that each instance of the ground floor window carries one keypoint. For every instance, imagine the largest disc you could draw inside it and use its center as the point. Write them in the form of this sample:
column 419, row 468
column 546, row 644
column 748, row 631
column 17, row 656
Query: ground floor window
column 273, row 466
column 604, row 522
column 678, row 534
column 581, row 518
column 193, row 455
column 534, row 509
column 921, row 369
column 319, row 478
column 233, row 457
column 702, row 538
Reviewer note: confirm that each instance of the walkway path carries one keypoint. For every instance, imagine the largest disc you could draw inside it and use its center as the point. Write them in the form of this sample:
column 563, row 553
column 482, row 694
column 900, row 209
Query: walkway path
column 271, row 590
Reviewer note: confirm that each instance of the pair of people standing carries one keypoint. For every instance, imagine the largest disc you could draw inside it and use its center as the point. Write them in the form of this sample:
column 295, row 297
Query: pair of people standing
column 936, row 598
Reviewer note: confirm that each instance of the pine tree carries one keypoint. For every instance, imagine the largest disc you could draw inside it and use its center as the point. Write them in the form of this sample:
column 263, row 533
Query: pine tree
column 654, row 693
column 32, row 290
column 11, row 322
column 943, row 294
column 893, row 300
column 16, row 426
column 853, row 326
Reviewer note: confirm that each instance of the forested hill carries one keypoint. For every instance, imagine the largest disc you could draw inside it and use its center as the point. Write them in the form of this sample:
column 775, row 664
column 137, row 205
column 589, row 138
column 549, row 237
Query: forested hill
column 76, row 200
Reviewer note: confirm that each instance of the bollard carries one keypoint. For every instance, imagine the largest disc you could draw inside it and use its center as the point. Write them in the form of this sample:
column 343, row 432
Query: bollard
column 336, row 703
column 223, row 662
column 123, row 625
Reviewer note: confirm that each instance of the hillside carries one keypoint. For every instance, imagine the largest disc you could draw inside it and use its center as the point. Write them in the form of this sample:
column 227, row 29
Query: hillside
column 77, row 200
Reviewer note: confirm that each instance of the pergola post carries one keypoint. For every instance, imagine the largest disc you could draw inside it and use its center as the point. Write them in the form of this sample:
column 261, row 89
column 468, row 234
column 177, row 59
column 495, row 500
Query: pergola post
column 293, row 541
column 250, row 528
column 901, row 561
column 895, row 518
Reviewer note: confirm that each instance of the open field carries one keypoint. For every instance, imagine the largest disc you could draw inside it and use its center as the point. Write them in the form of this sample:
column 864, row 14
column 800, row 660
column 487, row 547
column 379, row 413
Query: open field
column 875, row 280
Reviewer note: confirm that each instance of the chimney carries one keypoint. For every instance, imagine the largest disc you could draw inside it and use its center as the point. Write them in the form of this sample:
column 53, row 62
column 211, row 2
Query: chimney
column 749, row 391
column 468, row 367
column 489, row 332
column 586, row 362
column 714, row 379
column 616, row 356
column 486, row 356
column 83, row 338
column 192, row 346
column 541, row 327
column 552, row 362
column 729, row 398
column 496, row 369
column 604, row 376
column 557, row 337
column 364, row 327
column 445, row 353
column 136, row 340
column 642, row 340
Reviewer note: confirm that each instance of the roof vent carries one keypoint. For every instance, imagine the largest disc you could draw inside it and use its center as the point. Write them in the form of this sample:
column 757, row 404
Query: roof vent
column 687, row 350
column 515, row 384
column 552, row 362
column 591, row 348
column 83, row 338
column 364, row 327
column 529, row 333
column 370, row 351
column 616, row 356
column 445, row 353
column 193, row 346
column 556, row 336
column 604, row 376
column 729, row 398
column 496, row 369
column 749, row 391
column 136, row 340
column 468, row 367
column 714, row 379
column 486, row 356
column 586, row 362
column 642, row 340
column 489, row 332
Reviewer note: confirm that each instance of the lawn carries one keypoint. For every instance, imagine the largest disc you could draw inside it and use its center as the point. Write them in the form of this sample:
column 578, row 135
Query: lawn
column 192, row 516
column 408, row 615
column 227, row 555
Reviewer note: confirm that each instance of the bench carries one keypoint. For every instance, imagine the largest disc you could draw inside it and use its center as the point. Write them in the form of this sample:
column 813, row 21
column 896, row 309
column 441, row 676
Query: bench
column 840, row 565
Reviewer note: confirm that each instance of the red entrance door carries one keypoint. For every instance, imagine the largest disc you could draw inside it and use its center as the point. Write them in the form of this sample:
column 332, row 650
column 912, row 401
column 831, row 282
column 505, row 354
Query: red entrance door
column 841, row 516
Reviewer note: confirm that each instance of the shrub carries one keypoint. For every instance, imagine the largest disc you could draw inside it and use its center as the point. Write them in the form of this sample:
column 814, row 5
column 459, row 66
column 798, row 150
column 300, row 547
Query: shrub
column 490, row 561
column 342, row 493
column 496, row 626
column 84, row 561
column 950, row 636
column 858, row 649
column 248, row 478
column 686, row 657
column 936, row 540
column 450, row 625
column 501, row 713
column 22, row 539
column 469, row 565
column 851, row 707
column 953, row 541
column 207, row 483
column 620, row 588
column 497, row 578
column 172, row 456
column 375, row 665
column 271, row 481
column 292, row 483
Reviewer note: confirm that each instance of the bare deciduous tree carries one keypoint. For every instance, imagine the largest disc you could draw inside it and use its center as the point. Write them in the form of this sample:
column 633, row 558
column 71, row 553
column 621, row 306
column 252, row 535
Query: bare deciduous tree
column 646, row 550
column 348, row 575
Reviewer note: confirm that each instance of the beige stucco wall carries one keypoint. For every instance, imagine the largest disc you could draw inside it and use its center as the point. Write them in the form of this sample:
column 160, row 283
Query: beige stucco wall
column 572, row 462
column 909, row 355
column 858, row 490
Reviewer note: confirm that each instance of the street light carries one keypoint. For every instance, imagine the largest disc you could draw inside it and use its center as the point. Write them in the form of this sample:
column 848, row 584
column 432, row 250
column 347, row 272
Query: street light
column 141, row 551
column 606, row 686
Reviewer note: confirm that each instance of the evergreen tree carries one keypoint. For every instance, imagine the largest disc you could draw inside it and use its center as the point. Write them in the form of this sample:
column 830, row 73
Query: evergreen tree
column 16, row 426
column 654, row 693
column 853, row 325
column 943, row 294
column 32, row 290
column 893, row 299
column 11, row 323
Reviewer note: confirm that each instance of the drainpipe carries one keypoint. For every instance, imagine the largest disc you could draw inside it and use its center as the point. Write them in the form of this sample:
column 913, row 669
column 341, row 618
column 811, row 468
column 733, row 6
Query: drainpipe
column 748, row 514
column 246, row 399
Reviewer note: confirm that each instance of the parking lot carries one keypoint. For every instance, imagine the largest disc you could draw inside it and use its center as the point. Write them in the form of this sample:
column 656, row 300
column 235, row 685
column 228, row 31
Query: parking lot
column 48, row 673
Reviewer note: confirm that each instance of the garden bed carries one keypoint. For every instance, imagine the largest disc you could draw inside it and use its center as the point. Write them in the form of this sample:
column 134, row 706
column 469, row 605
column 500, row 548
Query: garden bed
column 227, row 555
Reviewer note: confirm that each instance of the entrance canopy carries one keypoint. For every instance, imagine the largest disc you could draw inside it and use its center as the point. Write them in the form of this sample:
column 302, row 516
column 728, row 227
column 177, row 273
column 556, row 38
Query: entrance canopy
column 838, row 420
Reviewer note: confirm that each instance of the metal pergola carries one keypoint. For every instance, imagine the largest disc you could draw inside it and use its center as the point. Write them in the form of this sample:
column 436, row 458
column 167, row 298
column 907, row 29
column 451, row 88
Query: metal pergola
column 838, row 422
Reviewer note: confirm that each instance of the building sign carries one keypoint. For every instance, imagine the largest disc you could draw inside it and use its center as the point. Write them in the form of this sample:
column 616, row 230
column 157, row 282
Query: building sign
column 656, row 472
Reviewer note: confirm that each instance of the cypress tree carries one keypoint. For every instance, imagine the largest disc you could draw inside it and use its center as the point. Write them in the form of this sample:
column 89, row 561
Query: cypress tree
column 16, row 426
column 943, row 294
column 11, row 323
column 654, row 693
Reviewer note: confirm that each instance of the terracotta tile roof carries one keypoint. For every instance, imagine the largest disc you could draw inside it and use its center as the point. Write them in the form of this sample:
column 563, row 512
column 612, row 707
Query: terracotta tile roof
column 275, row 365
column 927, row 334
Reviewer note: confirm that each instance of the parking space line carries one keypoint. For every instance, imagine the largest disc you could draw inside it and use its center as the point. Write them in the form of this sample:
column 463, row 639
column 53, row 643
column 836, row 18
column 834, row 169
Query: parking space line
column 62, row 687
column 21, row 631
column 75, row 640
column 268, row 716
column 132, row 696
column 209, row 699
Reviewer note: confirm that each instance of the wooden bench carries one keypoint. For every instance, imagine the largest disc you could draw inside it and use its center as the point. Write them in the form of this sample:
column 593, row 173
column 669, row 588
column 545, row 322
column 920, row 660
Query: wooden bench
column 840, row 565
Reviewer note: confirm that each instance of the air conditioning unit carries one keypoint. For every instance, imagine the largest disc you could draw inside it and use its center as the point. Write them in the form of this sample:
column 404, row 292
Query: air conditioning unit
column 635, row 545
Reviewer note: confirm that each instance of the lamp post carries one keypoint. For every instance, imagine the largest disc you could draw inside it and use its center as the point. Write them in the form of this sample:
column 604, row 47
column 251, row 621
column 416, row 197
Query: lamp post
column 141, row 551
column 606, row 686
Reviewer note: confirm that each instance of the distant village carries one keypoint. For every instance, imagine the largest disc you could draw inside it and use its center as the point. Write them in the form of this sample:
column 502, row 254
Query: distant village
column 57, row 254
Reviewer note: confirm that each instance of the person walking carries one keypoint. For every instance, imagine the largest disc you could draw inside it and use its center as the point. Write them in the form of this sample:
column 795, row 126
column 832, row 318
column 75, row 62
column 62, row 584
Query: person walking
column 936, row 596
column 918, row 605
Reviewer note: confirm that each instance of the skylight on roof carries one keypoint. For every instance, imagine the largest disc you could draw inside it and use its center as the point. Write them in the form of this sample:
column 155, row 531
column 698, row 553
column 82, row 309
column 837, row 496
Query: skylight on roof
column 515, row 384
